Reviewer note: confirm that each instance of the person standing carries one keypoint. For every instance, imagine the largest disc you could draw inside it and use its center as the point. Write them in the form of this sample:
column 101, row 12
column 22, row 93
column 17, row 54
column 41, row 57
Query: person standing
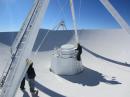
column 79, row 49
column 31, row 78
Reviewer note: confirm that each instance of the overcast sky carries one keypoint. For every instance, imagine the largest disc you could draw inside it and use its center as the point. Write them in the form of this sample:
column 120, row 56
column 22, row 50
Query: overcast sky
column 90, row 14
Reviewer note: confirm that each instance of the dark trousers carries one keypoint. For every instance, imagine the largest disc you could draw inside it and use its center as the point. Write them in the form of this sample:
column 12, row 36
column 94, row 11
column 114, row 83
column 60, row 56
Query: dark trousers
column 79, row 57
column 31, row 84
column 22, row 83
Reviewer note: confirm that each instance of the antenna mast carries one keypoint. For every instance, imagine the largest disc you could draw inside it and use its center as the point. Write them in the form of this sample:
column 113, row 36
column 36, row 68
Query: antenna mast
column 74, row 21
column 22, row 48
column 61, row 26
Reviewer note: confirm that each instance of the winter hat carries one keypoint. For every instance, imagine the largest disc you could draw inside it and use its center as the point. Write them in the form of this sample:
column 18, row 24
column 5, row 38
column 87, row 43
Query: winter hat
column 29, row 61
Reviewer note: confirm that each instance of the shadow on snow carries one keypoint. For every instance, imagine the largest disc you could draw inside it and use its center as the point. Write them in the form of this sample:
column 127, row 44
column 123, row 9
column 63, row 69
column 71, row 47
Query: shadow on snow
column 25, row 94
column 90, row 78
column 43, row 89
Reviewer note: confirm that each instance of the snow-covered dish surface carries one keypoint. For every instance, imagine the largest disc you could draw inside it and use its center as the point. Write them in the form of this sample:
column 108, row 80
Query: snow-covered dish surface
column 106, row 58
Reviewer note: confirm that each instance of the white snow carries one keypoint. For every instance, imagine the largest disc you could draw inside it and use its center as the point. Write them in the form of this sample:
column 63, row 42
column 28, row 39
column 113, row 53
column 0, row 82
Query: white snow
column 4, row 56
column 106, row 75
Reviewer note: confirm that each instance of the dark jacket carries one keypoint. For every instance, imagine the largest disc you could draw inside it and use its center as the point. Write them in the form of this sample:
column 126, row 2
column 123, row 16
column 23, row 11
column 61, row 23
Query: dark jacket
column 79, row 49
column 31, row 72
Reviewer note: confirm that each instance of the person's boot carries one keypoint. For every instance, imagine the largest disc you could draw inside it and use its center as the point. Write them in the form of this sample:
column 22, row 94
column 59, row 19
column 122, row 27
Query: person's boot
column 34, row 92
column 22, row 88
